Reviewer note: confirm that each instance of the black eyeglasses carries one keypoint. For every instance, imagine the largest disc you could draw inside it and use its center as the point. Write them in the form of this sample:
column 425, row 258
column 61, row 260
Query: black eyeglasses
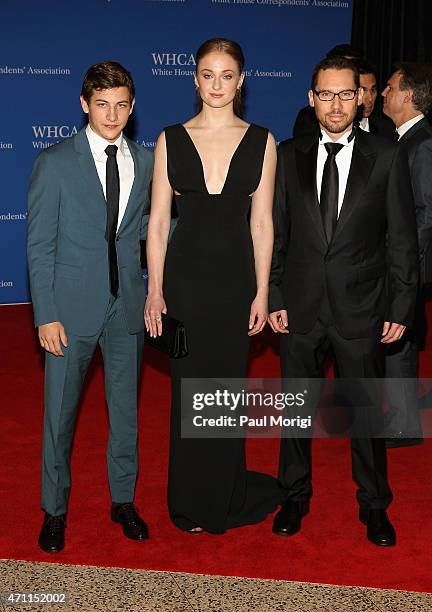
column 344, row 96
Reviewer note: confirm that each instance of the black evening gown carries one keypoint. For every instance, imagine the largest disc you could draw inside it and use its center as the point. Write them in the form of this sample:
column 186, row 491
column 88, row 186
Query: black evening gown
column 209, row 285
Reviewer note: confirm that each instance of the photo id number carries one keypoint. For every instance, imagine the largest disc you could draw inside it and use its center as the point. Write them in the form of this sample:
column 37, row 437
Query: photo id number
column 15, row 598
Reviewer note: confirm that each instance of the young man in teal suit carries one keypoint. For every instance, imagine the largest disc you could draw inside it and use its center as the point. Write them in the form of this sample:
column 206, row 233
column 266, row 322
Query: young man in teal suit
column 88, row 210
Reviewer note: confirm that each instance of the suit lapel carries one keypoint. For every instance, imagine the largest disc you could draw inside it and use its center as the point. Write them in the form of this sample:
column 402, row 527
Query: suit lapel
column 372, row 125
column 306, row 160
column 362, row 162
column 134, row 190
column 414, row 129
column 91, row 177
column 88, row 168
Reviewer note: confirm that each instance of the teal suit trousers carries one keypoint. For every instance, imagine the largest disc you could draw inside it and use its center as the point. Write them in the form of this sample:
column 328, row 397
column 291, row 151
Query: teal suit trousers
column 64, row 377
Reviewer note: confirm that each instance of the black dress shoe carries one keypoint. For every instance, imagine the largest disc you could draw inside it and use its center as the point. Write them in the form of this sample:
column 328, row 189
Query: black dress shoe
column 134, row 527
column 400, row 441
column 379, row 529
column 52, row 535
column 288, row 520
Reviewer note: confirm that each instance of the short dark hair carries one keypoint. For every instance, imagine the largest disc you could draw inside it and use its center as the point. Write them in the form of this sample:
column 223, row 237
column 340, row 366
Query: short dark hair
column 344, row 50
column 417, row 77
column 335, row 63
column 106, row 75
column 364, row 66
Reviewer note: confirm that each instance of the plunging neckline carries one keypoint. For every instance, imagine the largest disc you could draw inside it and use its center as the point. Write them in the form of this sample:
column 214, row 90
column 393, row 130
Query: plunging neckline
column 229, row 165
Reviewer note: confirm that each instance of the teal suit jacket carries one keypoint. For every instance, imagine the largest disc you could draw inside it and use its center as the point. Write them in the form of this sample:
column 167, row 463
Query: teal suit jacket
column 67, row 250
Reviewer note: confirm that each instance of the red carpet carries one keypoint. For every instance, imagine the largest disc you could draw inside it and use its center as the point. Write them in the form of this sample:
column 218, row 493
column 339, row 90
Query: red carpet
column 331, row 548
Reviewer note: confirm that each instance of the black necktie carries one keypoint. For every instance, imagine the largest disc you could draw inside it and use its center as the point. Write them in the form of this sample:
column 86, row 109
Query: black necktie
column 112, row 199
column 330, row 190
column 396, row 135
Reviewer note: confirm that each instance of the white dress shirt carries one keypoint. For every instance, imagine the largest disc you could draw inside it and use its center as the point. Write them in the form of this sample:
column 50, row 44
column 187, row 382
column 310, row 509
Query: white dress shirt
column 343, row 162
column 403, row 129
column 124, row 162
column 364, row 124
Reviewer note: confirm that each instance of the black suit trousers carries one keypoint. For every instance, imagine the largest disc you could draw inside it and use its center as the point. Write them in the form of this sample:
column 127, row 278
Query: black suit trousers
column 303, row 356
column 401, row 370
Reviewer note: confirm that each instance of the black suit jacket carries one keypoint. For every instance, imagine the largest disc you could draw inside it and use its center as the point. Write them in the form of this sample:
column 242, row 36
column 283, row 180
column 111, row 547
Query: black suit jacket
column 306, row 123
column 378, row 201
column 418, row 145
column 381, row 126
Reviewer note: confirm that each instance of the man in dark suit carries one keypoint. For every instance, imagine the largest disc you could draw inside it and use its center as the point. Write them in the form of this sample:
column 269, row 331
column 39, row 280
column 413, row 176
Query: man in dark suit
column 306, row 121
column 88, row 209
column 344, row 220
column 407, row 99
column 369, row 120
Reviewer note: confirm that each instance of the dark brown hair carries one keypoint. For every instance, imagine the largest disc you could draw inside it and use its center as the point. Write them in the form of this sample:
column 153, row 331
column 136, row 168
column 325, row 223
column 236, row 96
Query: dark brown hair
column 106, row 75
column 364, row 66
column 335, row 63
column 344, row 50
column 417, row 77
column 223, row 45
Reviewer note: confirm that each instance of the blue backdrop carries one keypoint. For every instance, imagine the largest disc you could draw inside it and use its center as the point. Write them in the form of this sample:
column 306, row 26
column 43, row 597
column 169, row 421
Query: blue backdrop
column 46, row 47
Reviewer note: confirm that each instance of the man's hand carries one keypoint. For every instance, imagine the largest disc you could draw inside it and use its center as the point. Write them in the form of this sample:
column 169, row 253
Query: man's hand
column 279, row 321
column 52, row 336
column 392, row 332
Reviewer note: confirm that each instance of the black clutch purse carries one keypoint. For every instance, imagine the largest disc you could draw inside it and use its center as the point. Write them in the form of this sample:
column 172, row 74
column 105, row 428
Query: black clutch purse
column 173, row 340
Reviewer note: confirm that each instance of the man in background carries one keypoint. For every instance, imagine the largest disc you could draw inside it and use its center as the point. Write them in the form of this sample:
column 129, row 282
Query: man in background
column 370, row 121
column 407, row 99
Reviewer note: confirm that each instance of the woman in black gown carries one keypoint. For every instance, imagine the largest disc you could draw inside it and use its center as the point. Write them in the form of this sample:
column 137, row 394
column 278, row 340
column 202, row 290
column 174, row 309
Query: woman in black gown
column 213, row 277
